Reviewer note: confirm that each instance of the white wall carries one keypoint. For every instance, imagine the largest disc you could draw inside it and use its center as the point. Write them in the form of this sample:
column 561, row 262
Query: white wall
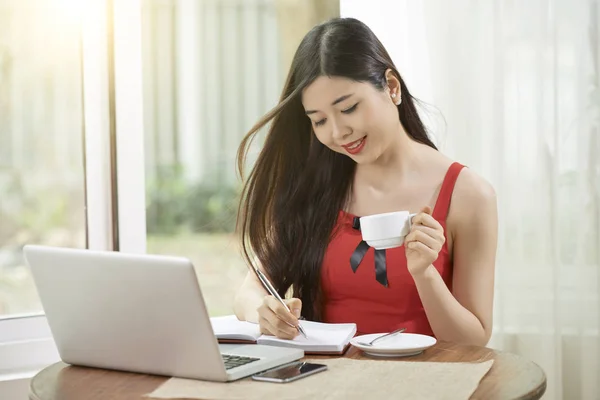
column 402, row 36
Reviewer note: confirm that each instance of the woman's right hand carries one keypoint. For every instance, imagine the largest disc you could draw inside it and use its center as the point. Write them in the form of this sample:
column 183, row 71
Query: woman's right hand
column 275, row 320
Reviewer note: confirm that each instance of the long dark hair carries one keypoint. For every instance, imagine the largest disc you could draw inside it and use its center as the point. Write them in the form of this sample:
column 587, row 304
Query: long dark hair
column 292, row 197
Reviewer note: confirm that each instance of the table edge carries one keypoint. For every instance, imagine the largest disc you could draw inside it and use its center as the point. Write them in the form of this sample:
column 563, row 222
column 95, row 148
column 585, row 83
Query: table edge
column 535, row 393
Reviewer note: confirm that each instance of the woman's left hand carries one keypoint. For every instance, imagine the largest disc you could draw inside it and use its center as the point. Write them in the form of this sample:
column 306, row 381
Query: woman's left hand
column 424, row 242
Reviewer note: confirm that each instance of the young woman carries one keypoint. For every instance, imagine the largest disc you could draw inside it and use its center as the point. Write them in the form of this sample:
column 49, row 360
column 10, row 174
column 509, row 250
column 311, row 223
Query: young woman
column 346, row 141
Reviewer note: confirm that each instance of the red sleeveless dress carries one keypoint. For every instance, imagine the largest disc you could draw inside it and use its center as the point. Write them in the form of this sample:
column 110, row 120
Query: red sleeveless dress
column 358, row 297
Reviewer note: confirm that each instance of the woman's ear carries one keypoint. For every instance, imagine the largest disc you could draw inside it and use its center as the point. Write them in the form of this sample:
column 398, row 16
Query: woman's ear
column 393, row 86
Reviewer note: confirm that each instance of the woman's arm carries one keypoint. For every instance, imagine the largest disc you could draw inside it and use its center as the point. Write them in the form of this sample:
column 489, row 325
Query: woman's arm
column 249, row 298
column 465, row 316
column 254, row 305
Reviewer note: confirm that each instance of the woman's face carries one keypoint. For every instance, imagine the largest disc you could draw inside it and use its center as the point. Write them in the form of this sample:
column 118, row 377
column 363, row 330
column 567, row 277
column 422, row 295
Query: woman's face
column 352, row 118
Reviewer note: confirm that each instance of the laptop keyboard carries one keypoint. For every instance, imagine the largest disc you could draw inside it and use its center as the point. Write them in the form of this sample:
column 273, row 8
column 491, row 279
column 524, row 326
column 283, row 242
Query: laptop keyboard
column 232, row 361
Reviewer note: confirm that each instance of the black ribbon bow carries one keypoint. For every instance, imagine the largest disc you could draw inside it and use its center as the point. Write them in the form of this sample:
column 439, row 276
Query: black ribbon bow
column 359, row 253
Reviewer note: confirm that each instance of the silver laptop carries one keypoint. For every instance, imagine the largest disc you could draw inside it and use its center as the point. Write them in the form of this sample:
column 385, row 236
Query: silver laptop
column 138, row 313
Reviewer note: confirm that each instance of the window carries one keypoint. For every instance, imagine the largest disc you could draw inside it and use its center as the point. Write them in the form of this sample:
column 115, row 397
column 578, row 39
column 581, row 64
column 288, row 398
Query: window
column 211, row 69
column 41, row 141
column 127, row 140
column 54, row 156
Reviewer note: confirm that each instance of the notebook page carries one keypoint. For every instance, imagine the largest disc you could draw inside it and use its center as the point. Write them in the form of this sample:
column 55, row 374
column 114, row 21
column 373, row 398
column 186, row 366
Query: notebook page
column 321, row 337
column 229, row 327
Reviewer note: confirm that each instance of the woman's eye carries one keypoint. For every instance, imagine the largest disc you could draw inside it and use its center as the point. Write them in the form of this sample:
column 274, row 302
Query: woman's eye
column 350, row 110
column 346, row 111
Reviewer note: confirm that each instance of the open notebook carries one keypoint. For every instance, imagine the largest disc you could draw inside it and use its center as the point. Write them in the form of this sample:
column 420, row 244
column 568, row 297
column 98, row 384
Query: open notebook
column 322, row 338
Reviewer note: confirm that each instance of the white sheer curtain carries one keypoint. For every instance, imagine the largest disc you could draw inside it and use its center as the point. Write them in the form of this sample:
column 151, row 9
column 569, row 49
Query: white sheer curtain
column 516, row 91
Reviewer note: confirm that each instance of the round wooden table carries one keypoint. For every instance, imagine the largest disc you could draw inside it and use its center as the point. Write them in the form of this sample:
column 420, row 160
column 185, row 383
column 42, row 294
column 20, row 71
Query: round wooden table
column 511, row 377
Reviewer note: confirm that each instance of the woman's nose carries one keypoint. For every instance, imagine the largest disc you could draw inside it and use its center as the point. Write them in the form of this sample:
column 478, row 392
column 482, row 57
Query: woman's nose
column 340, row 132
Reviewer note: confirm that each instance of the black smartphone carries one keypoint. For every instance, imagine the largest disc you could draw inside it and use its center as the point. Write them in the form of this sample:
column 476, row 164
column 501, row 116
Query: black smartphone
column 289, row 372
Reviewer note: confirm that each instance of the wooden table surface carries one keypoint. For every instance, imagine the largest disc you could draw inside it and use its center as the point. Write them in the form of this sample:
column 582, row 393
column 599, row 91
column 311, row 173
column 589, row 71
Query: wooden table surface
column 511, row 377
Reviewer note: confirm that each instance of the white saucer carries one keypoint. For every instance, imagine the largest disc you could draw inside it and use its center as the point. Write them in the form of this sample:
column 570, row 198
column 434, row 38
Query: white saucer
column 400, row 345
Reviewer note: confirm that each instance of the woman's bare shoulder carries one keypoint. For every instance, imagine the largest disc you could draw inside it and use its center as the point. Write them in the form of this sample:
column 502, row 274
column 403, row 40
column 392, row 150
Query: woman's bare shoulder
column 470, row 186
column 473, row 198
column 473, row 213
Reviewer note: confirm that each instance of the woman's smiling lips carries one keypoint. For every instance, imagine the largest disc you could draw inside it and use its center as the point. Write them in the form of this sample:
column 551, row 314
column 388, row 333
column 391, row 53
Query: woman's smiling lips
column 356, row 146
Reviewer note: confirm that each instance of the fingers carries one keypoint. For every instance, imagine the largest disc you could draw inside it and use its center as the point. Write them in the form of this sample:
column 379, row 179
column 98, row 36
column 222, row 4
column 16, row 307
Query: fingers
column 425, row 219
column 280, row 311
column 266, row 327
column 419, row 246
column 426, row 235
column 276, row 320
column 271, row 324
column 295, row 306
column 419, row 236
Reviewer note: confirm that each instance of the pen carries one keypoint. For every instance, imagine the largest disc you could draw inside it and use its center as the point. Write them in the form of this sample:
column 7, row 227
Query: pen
column 265, row 282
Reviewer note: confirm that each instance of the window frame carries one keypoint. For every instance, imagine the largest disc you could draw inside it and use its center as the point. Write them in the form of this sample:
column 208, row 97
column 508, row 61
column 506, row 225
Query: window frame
column 114, row 183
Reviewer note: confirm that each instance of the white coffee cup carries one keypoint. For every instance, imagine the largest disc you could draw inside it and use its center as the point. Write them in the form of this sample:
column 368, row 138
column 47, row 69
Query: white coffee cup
column 384, row 231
